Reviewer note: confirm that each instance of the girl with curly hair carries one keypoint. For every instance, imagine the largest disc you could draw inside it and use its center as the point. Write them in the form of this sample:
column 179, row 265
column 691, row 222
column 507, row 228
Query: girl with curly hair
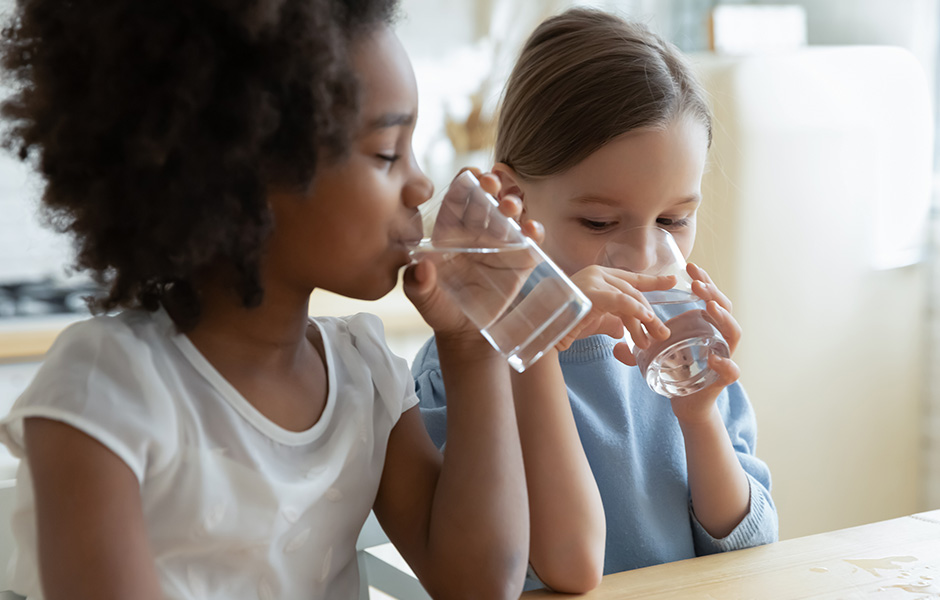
column 215, row 161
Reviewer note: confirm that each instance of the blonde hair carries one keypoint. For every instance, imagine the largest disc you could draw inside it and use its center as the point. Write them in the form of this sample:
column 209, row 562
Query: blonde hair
column 583, row 78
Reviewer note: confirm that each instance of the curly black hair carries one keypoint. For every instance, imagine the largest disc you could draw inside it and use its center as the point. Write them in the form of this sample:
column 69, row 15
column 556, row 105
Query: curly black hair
column 158, row 127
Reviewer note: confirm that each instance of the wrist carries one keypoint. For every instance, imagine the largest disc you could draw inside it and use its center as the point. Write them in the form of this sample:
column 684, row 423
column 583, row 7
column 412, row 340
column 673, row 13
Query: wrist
column 466, row 345
column 547, row 363
column 695, row 419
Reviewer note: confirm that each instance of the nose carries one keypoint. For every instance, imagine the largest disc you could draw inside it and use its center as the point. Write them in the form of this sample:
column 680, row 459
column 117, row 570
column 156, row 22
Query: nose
column 636, row 251
column 419, row 188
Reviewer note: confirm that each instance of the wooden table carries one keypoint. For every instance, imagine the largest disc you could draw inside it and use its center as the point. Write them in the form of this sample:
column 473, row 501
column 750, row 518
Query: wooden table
column 899, row 558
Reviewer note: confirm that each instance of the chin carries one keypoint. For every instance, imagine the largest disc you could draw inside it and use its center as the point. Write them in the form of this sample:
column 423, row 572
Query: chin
column 375, row 295
column 377, row 290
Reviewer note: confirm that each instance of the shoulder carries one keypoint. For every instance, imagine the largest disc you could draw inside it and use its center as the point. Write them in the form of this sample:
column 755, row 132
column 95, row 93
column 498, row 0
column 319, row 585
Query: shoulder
column 358, row 345
column 427, row 358
column 363, row 333
column 108, row 377
column 106, row 344
column 429, row 381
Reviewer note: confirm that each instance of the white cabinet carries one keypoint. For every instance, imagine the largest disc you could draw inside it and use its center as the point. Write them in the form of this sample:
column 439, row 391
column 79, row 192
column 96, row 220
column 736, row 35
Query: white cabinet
column 812, row 223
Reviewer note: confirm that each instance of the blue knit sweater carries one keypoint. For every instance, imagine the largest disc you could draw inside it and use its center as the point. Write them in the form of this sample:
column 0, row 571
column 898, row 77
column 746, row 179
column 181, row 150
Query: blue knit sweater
column 635, row 448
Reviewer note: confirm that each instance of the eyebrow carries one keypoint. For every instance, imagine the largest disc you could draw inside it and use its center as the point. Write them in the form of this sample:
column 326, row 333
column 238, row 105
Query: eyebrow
column 389, row 120
column 593, row 199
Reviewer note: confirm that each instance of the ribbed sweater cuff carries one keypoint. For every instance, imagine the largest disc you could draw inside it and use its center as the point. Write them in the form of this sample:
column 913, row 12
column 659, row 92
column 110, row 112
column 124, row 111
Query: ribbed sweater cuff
column 758, row 526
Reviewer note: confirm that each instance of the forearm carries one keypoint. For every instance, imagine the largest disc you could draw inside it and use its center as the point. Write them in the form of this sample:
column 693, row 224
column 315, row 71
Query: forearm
column 717, row 482
column 479, row 522
column 568, row 528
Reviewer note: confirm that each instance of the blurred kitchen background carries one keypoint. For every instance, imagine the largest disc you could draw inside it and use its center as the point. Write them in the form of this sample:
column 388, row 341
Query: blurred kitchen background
column 819, row 221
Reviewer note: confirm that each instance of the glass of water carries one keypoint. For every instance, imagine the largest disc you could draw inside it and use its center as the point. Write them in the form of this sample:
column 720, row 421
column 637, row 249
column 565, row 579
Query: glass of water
column 522, row 303
column 677, row 366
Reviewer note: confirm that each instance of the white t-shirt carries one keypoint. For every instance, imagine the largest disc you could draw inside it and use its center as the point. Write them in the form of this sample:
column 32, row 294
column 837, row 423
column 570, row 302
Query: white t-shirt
column 236, row 506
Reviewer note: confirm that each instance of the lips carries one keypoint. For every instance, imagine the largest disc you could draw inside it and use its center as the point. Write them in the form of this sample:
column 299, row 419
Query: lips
column 411, row 233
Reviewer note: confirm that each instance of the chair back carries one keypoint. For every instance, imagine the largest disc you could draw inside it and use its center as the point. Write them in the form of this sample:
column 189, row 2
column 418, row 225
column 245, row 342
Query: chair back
column 7, row 496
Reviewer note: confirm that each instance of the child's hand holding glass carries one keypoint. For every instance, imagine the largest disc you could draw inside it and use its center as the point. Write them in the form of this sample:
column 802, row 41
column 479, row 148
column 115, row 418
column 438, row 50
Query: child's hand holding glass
column 506, row 288
column 718, row 308
column 618, row 304
column 685, row 350
column 421, row 283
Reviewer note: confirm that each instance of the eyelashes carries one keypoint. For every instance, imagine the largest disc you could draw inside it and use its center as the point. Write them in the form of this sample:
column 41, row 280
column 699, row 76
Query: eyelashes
column 673, row 223
column 663, row 222
column 595, row 225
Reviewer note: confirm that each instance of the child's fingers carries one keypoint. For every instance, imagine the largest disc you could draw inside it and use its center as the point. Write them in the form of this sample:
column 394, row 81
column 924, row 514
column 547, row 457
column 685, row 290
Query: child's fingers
column 697, row 272
column 623, row 354
column 651, row 283
column 534, row 230
column 641, row 282
column 638, row 334
column 633, row 312
column 591, row 324
column 629, row 304
column 600, row 322
column 705, row 288
column 626, row 288
column 708, row 291
column 511, row 206
column 609, row 325
column 565, row 342
column 477, row 172
column 489, row 182
column 419, row 280
column 726, row 323
column 727, row 370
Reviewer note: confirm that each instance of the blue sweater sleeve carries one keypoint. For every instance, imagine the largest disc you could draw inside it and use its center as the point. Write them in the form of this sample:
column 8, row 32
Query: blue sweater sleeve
column 429, row 386
column 759, row 526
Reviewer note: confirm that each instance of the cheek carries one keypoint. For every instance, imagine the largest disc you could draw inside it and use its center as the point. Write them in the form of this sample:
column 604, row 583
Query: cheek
column 571, row 253
column 685, row 241
column 566, row 243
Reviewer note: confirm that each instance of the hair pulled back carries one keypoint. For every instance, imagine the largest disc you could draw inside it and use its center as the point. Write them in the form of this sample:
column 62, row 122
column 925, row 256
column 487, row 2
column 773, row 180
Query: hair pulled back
column 583, row 78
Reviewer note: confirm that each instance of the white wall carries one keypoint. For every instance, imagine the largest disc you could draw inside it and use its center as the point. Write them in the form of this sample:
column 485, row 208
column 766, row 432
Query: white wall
column 911, row 24
column 808, row 154
column 27, row 250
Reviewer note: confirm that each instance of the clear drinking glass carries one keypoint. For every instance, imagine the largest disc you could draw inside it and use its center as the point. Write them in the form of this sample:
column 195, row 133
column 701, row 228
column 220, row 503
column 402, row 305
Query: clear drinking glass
column 677, row 366
column 501, row 280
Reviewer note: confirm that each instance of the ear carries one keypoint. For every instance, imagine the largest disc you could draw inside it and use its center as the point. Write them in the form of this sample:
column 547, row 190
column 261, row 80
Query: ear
column 510, row 182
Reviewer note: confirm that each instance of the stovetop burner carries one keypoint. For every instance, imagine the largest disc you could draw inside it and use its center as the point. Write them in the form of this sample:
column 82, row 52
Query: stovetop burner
column 45, row 297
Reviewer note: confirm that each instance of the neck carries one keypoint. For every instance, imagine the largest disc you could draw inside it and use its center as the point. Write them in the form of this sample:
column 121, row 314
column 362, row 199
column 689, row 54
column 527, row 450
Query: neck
column 271, row 334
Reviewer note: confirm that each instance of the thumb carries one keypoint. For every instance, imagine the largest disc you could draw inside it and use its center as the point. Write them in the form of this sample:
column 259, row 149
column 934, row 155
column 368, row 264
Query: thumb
column 623, row 354
column 419, row 283
column 612, row 326
column 728, row 371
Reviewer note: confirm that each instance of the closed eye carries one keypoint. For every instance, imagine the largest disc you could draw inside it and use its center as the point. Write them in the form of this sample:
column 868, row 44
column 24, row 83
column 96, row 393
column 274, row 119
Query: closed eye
column 596, row 225
column 388, row 157
column 668, row 223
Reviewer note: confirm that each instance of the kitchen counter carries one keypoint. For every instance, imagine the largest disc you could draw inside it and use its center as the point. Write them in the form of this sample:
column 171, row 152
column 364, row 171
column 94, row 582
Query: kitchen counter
column 28, row 338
